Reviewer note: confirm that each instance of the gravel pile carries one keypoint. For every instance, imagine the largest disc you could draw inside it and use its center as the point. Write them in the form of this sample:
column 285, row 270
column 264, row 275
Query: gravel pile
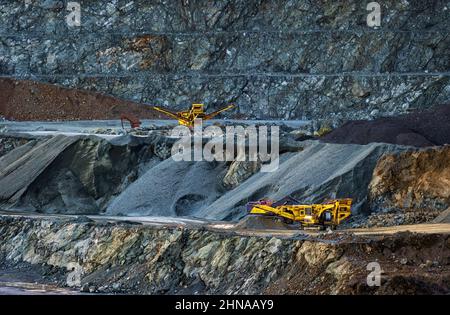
column 417, row 129
column 171, row 189
column 319, row 172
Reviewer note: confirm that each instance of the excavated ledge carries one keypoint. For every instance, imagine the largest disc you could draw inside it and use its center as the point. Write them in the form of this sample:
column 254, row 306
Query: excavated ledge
column 129, row 258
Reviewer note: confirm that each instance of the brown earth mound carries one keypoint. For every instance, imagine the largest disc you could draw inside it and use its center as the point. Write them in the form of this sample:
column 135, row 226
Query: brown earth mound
column 28, row 100
column 416, row 129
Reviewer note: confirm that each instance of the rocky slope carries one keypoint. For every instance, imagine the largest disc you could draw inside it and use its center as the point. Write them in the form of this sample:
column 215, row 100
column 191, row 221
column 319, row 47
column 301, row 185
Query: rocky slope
column 410, row 187
column 281, row 59
column 127, row 258
column 413, row 179
column 77, row 174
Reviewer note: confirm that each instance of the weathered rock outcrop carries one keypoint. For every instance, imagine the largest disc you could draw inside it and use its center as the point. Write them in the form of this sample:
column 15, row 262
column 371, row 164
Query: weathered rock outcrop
column 413, row 179
column 283, row 59
column 125, row 258
column 414, row 185
column 239, row 171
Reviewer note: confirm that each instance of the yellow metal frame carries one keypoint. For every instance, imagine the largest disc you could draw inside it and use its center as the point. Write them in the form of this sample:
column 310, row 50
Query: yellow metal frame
column 187, row 117
column 310, row 215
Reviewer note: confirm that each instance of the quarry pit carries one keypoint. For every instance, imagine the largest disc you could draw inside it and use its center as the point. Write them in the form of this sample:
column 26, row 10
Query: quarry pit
column 92, row 201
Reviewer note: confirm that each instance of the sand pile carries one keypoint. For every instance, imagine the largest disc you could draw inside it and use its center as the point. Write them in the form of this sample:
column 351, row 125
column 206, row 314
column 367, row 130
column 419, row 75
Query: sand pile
column 417, row 129
column 28, row 100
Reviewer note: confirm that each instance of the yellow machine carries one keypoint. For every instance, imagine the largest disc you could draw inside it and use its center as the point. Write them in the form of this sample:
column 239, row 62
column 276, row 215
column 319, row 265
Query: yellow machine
column 187, row 117
column 328, row 214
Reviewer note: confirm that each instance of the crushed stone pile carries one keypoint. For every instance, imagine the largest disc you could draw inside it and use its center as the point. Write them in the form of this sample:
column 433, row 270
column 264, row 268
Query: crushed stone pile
column 73, row 174
column 22, row 166
column 319, row 172
column 410, row 188
column 171, row 188
column 416, row 129
column 135, row 176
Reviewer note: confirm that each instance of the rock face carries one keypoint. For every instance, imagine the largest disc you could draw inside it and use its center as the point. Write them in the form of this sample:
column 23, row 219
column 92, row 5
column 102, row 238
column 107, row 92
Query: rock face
column 414, row 185
column 281, row 59
column 239, row 171
column 135, row 176
column 22, row 166
column 143, row 259
column 413, row 179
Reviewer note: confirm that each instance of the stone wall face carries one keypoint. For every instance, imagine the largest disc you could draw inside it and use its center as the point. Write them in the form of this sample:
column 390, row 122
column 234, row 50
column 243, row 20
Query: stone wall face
column 124, row 258
column 274, row 58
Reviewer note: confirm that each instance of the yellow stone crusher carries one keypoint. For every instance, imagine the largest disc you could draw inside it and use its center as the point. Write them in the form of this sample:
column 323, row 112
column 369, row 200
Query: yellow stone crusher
column 328, row 214
column 187, row 117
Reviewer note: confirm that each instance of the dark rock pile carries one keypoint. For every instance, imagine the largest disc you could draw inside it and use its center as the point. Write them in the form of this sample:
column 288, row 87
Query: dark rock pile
column 416, row 129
